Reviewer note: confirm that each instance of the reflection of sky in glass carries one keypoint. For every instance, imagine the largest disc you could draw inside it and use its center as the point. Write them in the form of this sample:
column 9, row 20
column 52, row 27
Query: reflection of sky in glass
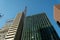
column 11, row 7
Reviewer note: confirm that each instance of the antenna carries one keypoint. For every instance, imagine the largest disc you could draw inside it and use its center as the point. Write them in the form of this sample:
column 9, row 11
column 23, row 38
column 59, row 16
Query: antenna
column 25, row 10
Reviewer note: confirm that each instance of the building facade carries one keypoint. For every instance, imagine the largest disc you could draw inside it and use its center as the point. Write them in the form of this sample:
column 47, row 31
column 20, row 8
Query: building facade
column 57, row 13
column 38, row 27
column 15, row 30
column 5, row 29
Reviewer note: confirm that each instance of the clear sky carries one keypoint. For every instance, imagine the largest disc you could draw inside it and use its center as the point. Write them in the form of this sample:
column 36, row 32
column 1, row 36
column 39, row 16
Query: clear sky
column 9, row 8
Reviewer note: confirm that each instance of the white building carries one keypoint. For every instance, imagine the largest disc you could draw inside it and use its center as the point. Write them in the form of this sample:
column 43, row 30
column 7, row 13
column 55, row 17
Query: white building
column 4, row 29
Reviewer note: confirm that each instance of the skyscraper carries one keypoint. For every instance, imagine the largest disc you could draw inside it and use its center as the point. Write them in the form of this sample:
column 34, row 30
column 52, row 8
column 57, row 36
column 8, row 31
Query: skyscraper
column 4, row 29
column 38, row 27
column 15, row 30
column 57, row 13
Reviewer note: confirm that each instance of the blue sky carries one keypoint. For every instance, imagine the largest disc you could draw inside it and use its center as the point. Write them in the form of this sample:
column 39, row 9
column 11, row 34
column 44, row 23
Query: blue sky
column 9, row 8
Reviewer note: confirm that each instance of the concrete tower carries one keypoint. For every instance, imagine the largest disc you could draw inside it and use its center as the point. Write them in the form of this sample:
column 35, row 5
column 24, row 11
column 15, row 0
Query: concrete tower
column 15, row 31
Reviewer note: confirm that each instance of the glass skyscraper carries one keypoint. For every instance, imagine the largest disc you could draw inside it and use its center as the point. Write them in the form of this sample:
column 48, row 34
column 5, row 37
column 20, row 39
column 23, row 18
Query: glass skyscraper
column 38, row 27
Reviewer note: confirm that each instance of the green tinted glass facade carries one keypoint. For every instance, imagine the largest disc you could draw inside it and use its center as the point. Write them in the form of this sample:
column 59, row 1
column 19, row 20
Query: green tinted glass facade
column 38, row 27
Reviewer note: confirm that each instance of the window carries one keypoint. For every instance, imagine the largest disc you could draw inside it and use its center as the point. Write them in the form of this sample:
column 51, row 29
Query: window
column 0, row 35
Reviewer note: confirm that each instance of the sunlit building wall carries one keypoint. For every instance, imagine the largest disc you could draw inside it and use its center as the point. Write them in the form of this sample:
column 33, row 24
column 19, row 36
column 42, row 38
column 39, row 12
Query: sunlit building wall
column 4, row 29
column 57, row 13
column 15, row 30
